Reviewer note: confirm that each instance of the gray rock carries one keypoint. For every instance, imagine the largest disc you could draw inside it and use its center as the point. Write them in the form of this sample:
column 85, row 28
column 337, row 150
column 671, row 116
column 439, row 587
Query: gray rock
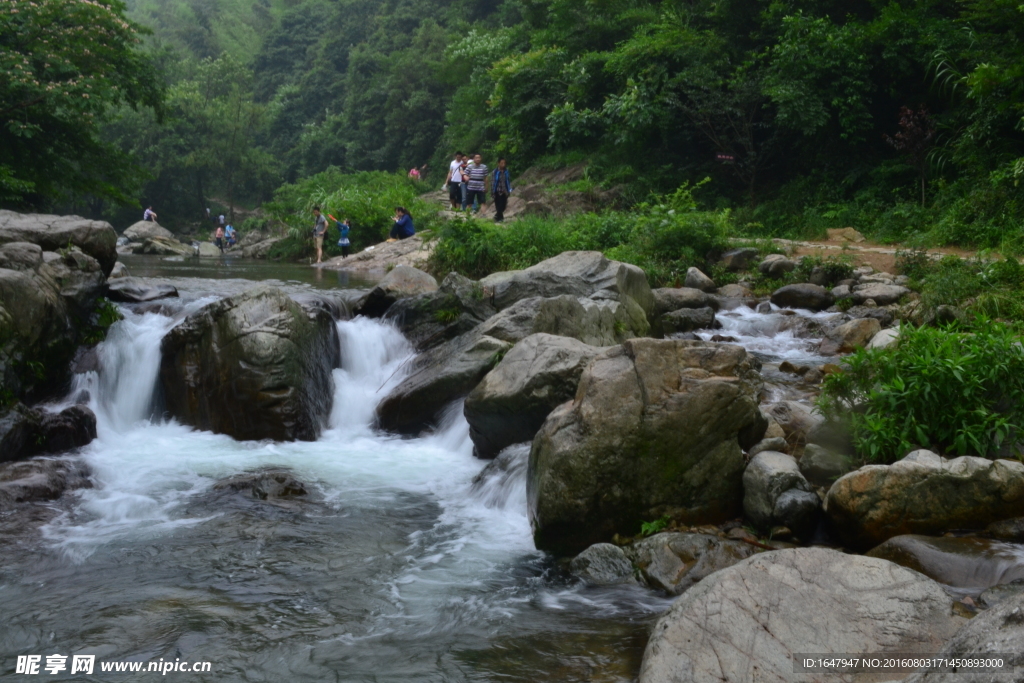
column 656, row 428
column 776, row 266
column 267, row 484
column 776, row 443
column 577, row 273
column 668, row 299
column 841, row 292
column 688, row 320
column 162, row 246
column 883, row 278
column 40, row 479
column 796, row 419
column 260, row 249
column 402, row 282
column 885, row 338
column 996, row 594
column 734, row 291
column 599, row 323
column 999, row 630
column 881, row 294
column 805, row 295
column 821, row 466
column 773, row 489
column 923, row 494
column 673, row 562
column 431, row 319
column 119, row 271
column 21, row 256
column 849, row 336
column 207, row 250
column 603, row 564
column 736, row 260
column 143, row 230
column 746, row 623
column 962, row 562
column 764, row 308
column 512, row 401
column 698, row 280
column 253, row 366
column 1007, row 529
column 137, row 290
column 52, row 233
column 883, row 315
column 25, row 431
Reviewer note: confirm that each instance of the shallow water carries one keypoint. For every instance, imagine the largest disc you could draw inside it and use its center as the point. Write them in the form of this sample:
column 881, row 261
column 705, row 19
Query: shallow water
column 396, row 567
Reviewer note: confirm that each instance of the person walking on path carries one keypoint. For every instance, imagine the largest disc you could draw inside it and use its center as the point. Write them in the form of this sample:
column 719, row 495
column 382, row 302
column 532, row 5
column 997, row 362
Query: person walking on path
column 319, row 230
column 454, row 182
column 476, row 186
column 501, row 188
column 149, row 215
column 403, row 227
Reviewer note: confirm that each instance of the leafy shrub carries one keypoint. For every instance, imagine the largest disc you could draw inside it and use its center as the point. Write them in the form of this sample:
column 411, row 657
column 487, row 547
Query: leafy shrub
column 951, row 392
column 836, row 267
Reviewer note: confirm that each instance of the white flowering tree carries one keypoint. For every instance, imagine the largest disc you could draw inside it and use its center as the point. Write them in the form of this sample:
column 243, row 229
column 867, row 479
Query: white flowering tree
column 63, row 65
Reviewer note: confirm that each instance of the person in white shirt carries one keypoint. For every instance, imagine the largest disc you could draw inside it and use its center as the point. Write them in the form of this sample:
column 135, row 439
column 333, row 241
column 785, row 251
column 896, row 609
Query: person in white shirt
column 454, row 182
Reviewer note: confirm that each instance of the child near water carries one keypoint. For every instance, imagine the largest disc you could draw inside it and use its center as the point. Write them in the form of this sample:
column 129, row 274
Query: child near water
column 343, row 241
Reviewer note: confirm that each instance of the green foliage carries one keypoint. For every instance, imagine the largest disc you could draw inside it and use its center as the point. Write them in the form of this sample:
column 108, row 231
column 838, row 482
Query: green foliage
column 836, row 267
column 64, row 65
column 953, row 392
column 653, row 527
column 105, row 315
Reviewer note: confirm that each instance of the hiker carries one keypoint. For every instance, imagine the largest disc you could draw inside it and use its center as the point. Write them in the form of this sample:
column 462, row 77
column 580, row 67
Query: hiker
column 501, row 188
column 476, row 185
column 319, row 230
column 149, row 215
column 230, row 232
column 454, row 182
column 403, row 227
column 218, row 238
column 463, row 177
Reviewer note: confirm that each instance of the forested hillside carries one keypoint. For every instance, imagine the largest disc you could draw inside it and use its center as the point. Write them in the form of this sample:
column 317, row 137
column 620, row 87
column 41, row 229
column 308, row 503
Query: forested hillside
column 898, row 117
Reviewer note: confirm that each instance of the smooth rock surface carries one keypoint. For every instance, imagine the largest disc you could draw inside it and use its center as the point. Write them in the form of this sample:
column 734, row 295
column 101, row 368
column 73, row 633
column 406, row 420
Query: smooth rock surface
column 402, row 282
column 52, row 233
column 806, row 295
column 143, row 230
column 797, row 419
column 775, row 493
column 881, row 294
column 41, row 479
column 162, row 246
column 673, row 562
column 745, row 623
column 885, row 338
column 821, row 466
column 603, row 564
column 963, row 562
column 136, row 290
column 688, row 320
column 849, row 336
column 696, row 279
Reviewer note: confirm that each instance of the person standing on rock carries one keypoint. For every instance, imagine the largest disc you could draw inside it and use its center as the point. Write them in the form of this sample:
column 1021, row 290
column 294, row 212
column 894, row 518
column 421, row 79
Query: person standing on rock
column 501, row 188
column 149, row 215
column 218, row 238
column 454, row 182
column 229, row 232
column 319, row 230
column 403, row 227
column 476, row 186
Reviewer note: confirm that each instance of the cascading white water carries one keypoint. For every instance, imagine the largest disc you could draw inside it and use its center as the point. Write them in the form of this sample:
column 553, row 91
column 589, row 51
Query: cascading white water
column 772, row 335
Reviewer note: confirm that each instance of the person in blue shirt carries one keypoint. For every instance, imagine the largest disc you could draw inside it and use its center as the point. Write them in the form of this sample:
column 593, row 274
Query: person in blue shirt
column 403, row 225
column 230, row 233
column 501, row 188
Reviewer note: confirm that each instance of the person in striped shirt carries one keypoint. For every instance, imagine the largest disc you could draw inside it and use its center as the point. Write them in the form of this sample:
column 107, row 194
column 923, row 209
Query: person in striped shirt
column 476, row 186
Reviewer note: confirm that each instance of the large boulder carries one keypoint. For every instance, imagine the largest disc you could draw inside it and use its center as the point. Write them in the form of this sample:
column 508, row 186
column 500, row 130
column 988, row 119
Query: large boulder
column 260, row 249
column 963, row 562
column 923, row 494
column 52, row 233
column 595, row 322
column 673, row 562
column 882, row 294
column 997, row 631
column 143, row 230
column 656, row 428
column 796, row 419
column 668, row 299
column 775, row 266
column 512, row 401
column 746, row 623
column 25, row 431
column 40, row 479
column 696, row 279
column 849, row 336
column 578, row 273
column 163, row 246
column 775, row 493
column 136, row 290
column 402, row 282
column 822, row 466
column 688, row 320
column 805, row 295
column 253, row 366
column 430, row 319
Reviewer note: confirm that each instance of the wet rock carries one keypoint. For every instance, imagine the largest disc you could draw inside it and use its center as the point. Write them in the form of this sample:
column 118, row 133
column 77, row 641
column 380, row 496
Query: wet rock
column 41, row 479
column 1001, row 593
column 1007, row 529
column 673, row 562
column 698, row 280
column 52, row 233
column 923, row 494
column 776, row 443
column 736, row 260
column 143, row 230
column 775, row 493
column 734, row 291
column 724, row 339
column 823, row 467
column 747, row 622
column 962, row 562
column 603, row 564
column 600, row 323
column 688, row 320
column 849, row 336
column 789, row 368
column 137, row 290
column 668, row 299
column 776, row 266
column 885, row 338
column 577, row 273
column 119, row 271
column 512, row 401
column 402, row 282
column 764, row 308
column 25, row 431
column 270, row 484
column 881, row 294
column 162, row 246
column 796, row 419
column 253, row 366
column 807, row 296
column 497, row 481
column 655, row 429
column 431, row 319
column 998, row 631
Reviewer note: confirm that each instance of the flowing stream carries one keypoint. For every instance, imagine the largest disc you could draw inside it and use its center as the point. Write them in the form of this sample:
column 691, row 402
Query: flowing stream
column 396, row 567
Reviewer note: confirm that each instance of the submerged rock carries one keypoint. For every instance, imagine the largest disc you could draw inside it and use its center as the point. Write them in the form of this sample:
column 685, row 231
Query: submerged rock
column 136, row 290
column 269, row 484
column 924, row 494
column 964, row 562
column 253, row 366
column 656, row 428
column 746, row 622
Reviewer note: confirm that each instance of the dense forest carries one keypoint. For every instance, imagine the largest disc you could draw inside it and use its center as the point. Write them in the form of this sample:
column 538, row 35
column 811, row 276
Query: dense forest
column 902, row 118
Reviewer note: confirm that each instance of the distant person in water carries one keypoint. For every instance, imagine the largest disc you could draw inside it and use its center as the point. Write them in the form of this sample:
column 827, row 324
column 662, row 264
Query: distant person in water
column 149, row 215
column 319, row 230
column 476, row 186
column 218, row 238
column 403, row 227
column 230, row 234
column 501, row 188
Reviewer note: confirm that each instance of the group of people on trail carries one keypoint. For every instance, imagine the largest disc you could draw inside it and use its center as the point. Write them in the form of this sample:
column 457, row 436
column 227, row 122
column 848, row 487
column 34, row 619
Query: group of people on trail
column 469, row 180
column 320, row 233
column 225, row 237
